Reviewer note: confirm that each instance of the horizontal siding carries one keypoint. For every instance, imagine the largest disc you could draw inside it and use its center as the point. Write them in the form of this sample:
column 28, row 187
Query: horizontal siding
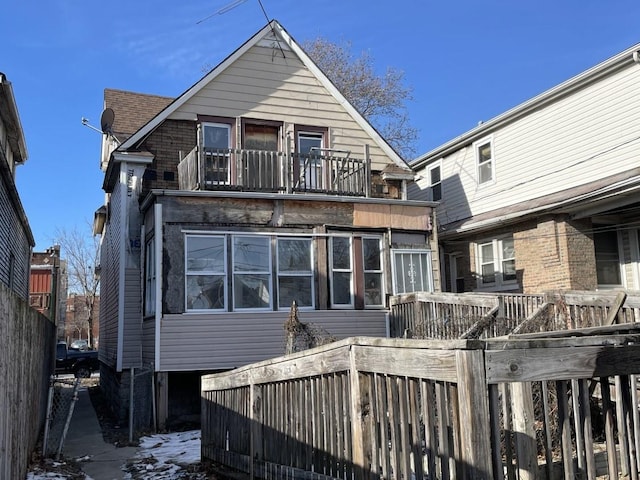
column 264, row 86
column 207, row 342
column 576, row 140
column 132, row 338
column 148, row 341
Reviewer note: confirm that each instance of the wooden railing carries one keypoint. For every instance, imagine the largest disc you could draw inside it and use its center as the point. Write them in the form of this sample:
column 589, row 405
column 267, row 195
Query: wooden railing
column 488, row 315
column 524, row 407
column 268, row 171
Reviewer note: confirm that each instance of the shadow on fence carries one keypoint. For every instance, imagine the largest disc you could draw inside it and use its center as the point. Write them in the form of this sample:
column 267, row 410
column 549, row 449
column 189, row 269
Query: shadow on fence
column 524, row 406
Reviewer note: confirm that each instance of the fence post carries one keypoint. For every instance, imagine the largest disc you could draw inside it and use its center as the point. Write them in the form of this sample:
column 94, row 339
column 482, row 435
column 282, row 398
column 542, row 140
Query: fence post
column 255, row 428
column 358, row 426
column 473, row 401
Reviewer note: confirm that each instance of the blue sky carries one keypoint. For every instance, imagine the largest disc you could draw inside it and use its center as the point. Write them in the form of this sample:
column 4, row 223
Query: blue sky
column 466, row 61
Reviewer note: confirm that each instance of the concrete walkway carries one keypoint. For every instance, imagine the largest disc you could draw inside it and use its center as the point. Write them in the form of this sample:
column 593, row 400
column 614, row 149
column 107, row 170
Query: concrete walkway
column 84, row 443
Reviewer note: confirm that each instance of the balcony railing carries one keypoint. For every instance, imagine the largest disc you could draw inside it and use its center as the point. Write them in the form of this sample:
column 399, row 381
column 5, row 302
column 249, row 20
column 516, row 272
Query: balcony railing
column 265, row 171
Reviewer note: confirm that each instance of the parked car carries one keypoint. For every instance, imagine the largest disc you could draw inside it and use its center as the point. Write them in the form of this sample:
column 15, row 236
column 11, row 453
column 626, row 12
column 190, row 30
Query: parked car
column 79, row 362
column 79, row 345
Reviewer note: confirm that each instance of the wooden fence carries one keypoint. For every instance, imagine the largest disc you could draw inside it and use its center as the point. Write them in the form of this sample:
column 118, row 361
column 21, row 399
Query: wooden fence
column 488, row 315
column 560, row 405
column 26, row 363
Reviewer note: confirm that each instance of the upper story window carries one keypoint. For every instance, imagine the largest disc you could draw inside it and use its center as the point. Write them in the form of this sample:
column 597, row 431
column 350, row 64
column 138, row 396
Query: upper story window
column 411, row 271
column 310, row 145
column 496, row 262
column 435, row 181
column 216, row 141
column 485, row 161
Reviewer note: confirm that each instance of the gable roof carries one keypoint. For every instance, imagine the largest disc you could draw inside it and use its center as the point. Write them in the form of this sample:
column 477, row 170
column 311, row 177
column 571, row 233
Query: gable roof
column 592, row 75
column 132, row 110
column 272, row 28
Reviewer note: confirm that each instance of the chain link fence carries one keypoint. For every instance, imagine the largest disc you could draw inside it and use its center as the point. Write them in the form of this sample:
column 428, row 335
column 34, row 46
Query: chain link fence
column 63, row 394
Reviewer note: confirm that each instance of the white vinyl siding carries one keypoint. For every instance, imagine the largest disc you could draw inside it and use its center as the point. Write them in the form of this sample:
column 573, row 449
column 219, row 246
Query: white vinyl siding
column 261, row 84
column 560, row 146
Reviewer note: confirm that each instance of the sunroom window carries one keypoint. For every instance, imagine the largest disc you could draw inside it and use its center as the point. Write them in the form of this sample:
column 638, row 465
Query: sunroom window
column 251, row 272
column 373, row 280
column 295, row 273
column 205, row 272
column 341, row 272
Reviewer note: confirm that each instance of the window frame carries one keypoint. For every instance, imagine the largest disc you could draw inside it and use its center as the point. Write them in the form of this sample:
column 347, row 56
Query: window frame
column 395, row 252
column 256, row 272
column 223, row 273
column 299, row 273
column 437, row 185
column 150, row 279
column 491, row 162
column 619, row 253
column 349, row 270
column 225, row 156
column 379, row 272
column 497, row 262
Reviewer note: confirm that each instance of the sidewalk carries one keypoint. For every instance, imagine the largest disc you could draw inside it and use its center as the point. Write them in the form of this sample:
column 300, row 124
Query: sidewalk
column 84, row 443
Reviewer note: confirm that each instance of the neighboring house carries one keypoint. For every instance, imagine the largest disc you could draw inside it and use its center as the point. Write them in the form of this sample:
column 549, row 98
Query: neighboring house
column 546, row 195
column 258, row 186
column 48, row 285
column 16, row 239
column 78, row 310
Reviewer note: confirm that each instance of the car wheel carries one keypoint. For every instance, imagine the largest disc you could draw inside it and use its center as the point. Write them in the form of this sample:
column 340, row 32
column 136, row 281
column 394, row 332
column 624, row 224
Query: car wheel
column 83, row 372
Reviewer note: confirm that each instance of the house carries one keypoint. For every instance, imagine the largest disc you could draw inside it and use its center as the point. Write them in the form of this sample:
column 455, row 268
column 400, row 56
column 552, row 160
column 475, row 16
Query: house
column 545, row 195
column 257, row 187
column 16, row 238
column 48, row 285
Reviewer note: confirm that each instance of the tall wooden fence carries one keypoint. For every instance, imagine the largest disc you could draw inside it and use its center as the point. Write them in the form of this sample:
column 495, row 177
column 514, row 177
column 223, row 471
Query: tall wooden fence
column 26, row 363
column 488, row 315
column 525, row 406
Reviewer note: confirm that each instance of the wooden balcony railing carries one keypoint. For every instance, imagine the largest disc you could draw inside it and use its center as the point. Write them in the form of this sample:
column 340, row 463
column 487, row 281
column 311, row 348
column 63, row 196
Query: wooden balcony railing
column 265, row 171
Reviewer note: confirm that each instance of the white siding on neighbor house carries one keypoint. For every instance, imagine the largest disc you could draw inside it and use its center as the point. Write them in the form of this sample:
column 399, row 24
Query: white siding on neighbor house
column 149, row 340
column 110, row 281
column 580, row 138
column 263, row 85
column 207, row 342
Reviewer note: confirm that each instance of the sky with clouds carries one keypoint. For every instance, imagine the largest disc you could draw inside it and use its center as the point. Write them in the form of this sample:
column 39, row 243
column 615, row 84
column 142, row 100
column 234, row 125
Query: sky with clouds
column 466, row 61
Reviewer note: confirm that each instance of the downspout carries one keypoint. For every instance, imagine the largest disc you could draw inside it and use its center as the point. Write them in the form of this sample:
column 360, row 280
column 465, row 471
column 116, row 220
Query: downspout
column 121, row 264
column 157, row 240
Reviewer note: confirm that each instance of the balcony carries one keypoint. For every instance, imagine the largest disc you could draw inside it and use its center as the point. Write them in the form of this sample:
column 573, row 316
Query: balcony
column 268, row 171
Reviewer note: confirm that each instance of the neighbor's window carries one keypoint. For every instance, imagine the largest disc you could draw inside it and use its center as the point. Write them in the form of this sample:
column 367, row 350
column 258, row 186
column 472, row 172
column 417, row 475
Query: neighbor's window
column 496, row 262
column 295, row 272
column 411, row 271
column 435, row 182
column 205, row 272
column 607, row 258
column 251, row 272
column 216, row 141
column 485, row 161
column 372, row 262
column 341, row 272
column 150, row 278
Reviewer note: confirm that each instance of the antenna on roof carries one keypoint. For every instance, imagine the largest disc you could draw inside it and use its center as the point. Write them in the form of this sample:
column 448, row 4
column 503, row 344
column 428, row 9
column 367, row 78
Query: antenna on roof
column 225, row 9
column 106, row 123
column 85, row 122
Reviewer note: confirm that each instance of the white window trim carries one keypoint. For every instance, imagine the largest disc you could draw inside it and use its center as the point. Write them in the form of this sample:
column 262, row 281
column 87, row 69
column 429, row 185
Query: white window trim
column 225, row 274
column 433, row 166
column 229, row 132
column 311, row 274
column 268, row 272
column 500, row 283
column 150, row 278
column 476, row 146
column 379, row 271
column 351, row 304
column 623, row 274
column 420, row 251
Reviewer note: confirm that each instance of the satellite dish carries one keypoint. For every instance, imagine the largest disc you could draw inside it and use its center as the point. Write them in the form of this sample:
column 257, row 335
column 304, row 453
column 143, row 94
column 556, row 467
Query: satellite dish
column 106, row 120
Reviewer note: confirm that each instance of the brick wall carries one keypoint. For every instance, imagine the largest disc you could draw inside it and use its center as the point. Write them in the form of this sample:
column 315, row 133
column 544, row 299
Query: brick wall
column 166, row 143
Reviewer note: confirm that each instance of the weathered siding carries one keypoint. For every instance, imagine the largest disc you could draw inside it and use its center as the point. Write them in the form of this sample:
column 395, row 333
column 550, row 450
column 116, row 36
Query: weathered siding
column 110, row 280
column 220, row 341
column 132, row 334
column 263, row 85
column 149, row 341
column 578, row 139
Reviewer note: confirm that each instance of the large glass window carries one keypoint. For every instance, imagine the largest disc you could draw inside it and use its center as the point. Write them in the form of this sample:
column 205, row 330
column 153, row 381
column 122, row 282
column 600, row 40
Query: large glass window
column 216, row 140
column 607, row 258
column 251, row 272
column 372, row 262
column 150, row 278
column 295, row 272
column 496, row 262
column 411, row 271
column 485, row 161
column 341, row 272
column 205, row 272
